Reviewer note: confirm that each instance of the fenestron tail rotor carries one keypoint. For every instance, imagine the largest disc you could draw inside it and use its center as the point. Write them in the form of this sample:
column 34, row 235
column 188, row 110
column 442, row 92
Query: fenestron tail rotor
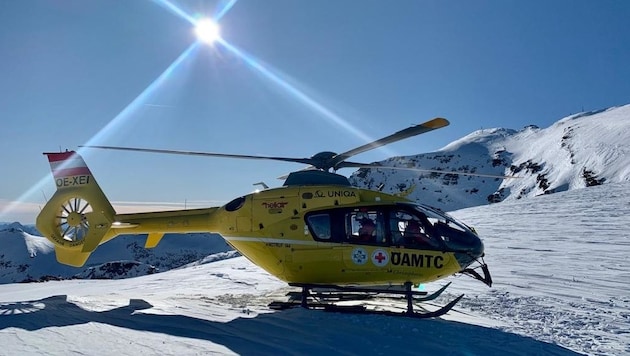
column 78, row 216
column 72, row 219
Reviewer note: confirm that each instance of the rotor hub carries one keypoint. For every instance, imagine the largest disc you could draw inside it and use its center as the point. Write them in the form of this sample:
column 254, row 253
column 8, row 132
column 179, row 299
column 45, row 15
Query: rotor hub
column 323, row 160
column 74, row 219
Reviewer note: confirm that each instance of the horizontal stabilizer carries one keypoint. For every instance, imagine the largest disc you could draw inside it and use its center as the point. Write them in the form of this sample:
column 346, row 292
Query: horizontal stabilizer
column 72, row 257
column 153, row 239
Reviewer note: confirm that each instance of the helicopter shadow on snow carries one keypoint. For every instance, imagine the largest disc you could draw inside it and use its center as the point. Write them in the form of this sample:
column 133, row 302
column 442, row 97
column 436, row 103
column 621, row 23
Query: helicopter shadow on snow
column 295, row 331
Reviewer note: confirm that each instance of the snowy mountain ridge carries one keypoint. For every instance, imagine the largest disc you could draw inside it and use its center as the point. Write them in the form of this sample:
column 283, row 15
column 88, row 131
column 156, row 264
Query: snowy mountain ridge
column 580, row 150
column 26, row 257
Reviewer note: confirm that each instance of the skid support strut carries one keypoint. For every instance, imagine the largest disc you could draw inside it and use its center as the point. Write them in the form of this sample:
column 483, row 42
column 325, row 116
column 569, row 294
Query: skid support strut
column 328, row 297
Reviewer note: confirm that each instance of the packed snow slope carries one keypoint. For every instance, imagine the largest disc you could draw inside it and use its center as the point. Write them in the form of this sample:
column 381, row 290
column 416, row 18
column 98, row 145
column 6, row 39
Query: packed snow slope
column 560, row 265
column 581, row 150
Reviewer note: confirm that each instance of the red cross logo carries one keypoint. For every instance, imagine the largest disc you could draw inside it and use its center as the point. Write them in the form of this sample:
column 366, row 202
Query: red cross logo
column 380, row 257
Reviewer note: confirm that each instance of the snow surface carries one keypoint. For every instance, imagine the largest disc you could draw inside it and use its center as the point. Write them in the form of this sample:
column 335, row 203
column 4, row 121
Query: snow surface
column 561, row 268
column 560, row 265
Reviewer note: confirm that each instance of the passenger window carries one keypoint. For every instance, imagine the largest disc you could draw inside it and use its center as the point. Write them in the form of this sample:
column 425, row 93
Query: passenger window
column 320, row 226
column 365, row 227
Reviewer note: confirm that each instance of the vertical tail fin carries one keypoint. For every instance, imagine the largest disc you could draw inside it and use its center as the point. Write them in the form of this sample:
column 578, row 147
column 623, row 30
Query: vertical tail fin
column 78, row 216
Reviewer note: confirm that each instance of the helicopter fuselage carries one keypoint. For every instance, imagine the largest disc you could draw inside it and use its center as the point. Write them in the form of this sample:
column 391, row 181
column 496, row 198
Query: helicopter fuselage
column 316, row 229
column 281, row 231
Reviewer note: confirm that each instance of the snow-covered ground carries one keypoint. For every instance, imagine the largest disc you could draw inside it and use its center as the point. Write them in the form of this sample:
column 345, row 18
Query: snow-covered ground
column 560, row 265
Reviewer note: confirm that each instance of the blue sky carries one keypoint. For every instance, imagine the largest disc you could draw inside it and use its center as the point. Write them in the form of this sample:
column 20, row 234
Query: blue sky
column 294, row 78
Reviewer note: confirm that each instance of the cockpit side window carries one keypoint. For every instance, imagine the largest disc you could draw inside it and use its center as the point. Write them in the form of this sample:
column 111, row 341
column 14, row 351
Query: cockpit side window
column 452, row 233
column 413, row 229
column 398, row 221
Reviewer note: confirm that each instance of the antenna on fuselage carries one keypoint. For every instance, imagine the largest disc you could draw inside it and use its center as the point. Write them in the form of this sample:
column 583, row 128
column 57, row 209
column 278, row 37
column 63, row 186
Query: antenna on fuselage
column 262, row 184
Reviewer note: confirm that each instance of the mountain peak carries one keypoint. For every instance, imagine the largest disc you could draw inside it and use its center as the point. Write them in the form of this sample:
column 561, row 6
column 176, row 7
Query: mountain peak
column 483, row 137
column 578, row 151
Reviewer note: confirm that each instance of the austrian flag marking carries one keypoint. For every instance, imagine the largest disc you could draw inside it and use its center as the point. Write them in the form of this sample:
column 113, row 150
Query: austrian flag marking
column 68, row 169
column 380, row 258
column 67, row 164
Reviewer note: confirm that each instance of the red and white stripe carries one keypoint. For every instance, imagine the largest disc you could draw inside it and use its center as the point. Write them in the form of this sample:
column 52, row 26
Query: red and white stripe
column 67, row 164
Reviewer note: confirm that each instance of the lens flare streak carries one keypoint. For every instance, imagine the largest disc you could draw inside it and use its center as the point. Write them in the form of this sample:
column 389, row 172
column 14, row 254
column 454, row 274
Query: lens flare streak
column 275, row 78
column 223, row 10
column 176, row 10
column 140, row 99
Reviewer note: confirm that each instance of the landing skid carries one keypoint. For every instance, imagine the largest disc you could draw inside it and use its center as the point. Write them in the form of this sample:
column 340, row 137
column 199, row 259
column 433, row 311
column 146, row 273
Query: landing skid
column 327, row 297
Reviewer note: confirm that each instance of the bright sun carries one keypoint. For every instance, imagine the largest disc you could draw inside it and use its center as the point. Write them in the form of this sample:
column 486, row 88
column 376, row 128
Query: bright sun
column 207, row 31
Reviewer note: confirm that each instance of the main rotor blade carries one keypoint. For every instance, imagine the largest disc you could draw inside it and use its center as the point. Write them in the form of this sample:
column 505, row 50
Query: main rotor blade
column 400, row 135
column 378, row 166
column 207, row 154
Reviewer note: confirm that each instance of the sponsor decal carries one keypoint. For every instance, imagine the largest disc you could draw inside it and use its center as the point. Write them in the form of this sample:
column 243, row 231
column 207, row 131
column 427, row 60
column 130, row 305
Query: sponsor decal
column 76, row 243
column 67, row 243
column 275, row 207
column 59, row 240
column 417, row 260
column 335, row 194
column 359, row 256
column 274, row 204
column 380, row 258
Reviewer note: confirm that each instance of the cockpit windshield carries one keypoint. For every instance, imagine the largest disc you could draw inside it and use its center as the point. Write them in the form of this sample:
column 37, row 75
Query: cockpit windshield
column 457, row 236
column 435, row 215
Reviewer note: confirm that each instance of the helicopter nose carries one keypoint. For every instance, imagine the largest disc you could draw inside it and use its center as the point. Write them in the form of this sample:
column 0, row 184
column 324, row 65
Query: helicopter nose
column 467, row 250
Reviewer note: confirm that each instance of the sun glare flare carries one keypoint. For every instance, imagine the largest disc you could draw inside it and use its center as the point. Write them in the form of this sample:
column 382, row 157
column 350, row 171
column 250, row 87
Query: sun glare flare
column 207, row 31
column 278, row 78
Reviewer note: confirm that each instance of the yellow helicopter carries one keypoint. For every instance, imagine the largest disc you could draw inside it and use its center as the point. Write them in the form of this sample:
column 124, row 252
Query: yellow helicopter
column 316, row 231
